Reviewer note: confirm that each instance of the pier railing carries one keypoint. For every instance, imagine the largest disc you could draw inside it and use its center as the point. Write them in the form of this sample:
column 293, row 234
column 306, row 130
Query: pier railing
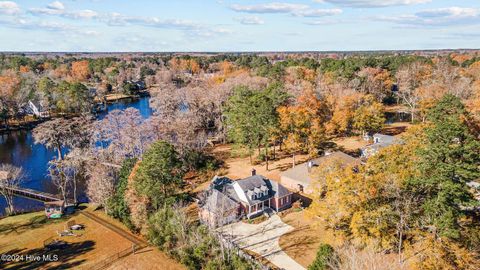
column 32, row 194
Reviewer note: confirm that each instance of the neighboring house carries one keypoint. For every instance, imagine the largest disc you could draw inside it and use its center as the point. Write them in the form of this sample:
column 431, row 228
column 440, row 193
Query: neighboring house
column 300, row 177
column 226, row 201
column 37, row 109
column 379, row 141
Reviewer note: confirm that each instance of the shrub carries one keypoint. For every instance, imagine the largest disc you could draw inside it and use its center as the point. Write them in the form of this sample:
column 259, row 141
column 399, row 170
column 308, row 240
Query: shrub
column 325, row 256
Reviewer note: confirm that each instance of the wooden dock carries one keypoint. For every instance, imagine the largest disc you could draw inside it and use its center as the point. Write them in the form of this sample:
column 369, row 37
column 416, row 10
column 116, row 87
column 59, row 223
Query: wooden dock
column 32, row 194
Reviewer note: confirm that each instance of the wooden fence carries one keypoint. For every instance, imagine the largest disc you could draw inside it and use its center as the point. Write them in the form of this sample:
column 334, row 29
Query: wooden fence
column 103, row 264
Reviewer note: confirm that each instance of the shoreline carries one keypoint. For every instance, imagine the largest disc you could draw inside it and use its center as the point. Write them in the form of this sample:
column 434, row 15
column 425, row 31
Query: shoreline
column 33, row 121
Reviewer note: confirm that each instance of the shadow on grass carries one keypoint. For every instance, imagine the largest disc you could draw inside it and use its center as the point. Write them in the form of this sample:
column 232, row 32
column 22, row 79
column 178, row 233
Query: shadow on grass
column 296, row 245
column 394, row 130
column 39, row 257
column 19, row 227
column 34, row 222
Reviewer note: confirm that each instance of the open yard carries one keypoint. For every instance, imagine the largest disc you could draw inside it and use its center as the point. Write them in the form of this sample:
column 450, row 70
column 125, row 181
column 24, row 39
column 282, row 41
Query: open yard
column 25, row 235
column 302, row 242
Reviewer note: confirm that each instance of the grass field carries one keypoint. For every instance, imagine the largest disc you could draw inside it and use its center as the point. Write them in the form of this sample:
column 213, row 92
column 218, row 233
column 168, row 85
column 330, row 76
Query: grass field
column 25, row 235
column 302, row 243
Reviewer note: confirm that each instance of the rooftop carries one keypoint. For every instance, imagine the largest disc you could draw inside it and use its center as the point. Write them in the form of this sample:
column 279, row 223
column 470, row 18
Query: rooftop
column 302, row 172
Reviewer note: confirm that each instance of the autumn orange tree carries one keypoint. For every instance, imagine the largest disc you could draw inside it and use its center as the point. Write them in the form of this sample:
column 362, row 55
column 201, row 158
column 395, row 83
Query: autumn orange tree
column 9, row 86
column 369, row 116
column 376, row 82
column 355, row 112
column 302, row 124
column 80, row 70
column 343, row 112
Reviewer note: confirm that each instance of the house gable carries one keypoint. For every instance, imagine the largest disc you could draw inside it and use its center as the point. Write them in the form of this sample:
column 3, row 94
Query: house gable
column 240, row 193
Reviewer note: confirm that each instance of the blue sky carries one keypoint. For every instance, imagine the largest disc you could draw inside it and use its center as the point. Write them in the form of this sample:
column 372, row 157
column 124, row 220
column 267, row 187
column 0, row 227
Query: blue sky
column 238, row 25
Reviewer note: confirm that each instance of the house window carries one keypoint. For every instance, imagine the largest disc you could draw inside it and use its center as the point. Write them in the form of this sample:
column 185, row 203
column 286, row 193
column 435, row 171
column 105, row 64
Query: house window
column 254, row 197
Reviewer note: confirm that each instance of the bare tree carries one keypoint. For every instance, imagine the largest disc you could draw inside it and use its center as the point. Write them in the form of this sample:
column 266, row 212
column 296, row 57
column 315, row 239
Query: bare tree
column 124, row 133
column 409, row 79
column 351, row 258
column 62, row 133
column 10, row 177
column 101, row 183
column 60, row 177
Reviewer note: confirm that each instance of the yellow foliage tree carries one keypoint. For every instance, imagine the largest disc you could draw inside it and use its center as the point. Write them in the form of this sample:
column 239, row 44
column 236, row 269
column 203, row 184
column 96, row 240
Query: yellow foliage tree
column 302, row 125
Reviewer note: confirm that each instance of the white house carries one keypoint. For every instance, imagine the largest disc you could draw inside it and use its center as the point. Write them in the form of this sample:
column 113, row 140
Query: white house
column 38, row 110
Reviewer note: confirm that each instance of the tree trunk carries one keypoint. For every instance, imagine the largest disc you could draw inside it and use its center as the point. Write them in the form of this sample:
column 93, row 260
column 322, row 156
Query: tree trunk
column 412, row 114
column 74, row 189
column 11, row 208
column 266, row 155
column 59, row 153
column 274, row 152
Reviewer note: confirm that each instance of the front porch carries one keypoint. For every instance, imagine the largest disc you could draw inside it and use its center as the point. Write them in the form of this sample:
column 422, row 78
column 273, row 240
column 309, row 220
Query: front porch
column 258, row 208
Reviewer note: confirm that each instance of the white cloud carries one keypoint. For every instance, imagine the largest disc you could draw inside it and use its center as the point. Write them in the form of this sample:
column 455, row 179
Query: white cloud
column 82, row 14
column 56, row 5
column 58, row 8
column 299, row 10
column 27, row 24
column 373, row 3
column 250, row 20
column 116, row 19
column 450, row 12
column 457, row 36
column 275, row 7
column 9, row 8
column 330, row 22
column 437, row 17
column 317, row 12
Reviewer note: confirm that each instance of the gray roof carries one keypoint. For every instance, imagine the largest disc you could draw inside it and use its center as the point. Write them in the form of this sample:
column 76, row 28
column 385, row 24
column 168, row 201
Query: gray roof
column 278, row 189
column 384, row 139
column 301, row 172
column 217, row 202
column 257, row 182
column 252, row 182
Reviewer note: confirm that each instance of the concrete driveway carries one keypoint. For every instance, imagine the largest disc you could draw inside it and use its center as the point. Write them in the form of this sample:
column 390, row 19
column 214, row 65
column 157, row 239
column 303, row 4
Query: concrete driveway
column 263, row 239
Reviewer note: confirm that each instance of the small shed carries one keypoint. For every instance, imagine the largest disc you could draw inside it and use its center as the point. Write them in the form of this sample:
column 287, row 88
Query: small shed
column 54, row 209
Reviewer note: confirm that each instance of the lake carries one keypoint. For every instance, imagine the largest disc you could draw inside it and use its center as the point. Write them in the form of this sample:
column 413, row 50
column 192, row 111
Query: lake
column 18, row 148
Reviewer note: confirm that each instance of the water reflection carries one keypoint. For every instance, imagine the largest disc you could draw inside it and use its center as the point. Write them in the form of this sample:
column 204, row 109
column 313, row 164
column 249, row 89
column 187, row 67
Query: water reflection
column 18, row 148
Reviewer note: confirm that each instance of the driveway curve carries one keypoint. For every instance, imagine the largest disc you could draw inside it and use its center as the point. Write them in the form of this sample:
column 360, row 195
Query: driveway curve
column 263, row 239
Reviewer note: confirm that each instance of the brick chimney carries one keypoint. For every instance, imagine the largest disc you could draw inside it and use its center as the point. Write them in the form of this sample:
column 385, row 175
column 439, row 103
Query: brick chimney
column 254, row 172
